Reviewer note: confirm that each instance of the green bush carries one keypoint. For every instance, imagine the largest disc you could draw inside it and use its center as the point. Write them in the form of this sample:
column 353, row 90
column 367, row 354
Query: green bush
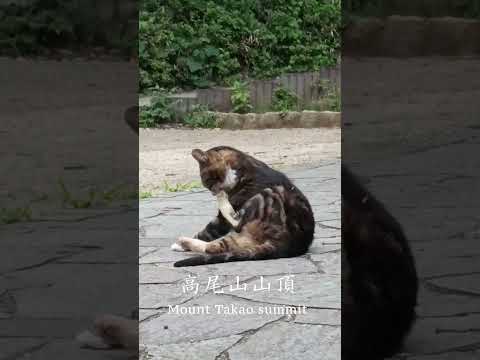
column 159, row 111
column 154, row 47
column 28, row 29
column 39, row 26
column 240, row 97
column 192, row 43
column 284, row 100
column 200, row 117
column 330, row 98
column 382, row 8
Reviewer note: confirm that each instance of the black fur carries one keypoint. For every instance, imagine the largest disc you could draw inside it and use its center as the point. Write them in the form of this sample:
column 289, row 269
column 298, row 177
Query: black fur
column 379, row 280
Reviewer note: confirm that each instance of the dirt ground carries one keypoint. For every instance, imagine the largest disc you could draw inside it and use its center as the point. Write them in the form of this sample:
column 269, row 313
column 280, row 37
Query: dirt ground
column 165, row 153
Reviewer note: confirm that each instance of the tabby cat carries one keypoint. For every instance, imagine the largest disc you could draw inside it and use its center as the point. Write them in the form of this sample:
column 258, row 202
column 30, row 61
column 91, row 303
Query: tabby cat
column 379, row 280
column 262, row 214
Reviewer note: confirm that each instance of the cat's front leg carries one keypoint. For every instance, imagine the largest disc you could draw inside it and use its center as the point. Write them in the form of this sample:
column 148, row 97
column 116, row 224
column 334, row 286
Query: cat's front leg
column 227, row 209
column 215, row 229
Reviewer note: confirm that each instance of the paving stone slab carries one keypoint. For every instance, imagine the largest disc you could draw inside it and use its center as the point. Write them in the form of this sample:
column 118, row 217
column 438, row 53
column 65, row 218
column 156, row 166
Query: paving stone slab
column 436, row 335
column 52, row 294
column 452, row 266
column 72, row 351
column 163, row 254
column 174, row 208
column 155, row 274
column 328, row 263
column 295, row 265
column 287, row 341
column 42, row 328
column 171, row 328
column 145, row 250
column 154, row 296
column 13, row 347
column 175, row 226
column 469, row 284
column 161, row 295
column 312, row 290
column 207, row 349
column 144, row 314
column 435, row 303
column 320, row 317
column 470, row 355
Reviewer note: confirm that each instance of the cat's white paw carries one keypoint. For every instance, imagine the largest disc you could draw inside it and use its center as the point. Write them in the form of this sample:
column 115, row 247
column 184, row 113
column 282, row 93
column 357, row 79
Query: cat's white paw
column 92, row 341
column 177, row 247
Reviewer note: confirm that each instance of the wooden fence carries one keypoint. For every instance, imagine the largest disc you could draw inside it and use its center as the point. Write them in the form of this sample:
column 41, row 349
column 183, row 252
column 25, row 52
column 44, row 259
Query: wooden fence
column 308, row 87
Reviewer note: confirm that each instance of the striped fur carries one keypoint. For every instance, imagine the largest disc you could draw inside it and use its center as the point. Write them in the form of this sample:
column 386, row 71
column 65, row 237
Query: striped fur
column 273, row 219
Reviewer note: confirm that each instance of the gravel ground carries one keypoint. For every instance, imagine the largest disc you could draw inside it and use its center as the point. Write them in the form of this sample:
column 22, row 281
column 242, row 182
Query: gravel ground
column 165, row 153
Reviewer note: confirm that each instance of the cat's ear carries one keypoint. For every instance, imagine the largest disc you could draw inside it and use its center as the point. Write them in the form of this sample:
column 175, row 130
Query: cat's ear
column 200, row 156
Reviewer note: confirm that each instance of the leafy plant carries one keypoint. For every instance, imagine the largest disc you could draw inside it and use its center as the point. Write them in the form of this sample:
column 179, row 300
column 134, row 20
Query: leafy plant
column 159, row 111
column 333, row 99
column 95, row 196
column 200, row 117
column 240, row 97
column 68, row 199
column 330, row 99
column 181, row 186
column 145, row 194
column 192, row 44
column 381, row 8
column 14, row 215
column 284, row 100
column 35, row 27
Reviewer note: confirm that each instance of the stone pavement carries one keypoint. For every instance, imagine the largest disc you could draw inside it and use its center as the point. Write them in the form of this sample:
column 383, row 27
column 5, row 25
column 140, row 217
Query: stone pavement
column 66, row 265
column 264, row 332
column 56, row 275
column 419, row 155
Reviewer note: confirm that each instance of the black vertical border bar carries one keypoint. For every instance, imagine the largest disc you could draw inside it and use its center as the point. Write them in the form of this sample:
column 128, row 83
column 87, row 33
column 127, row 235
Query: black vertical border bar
column 69, row 184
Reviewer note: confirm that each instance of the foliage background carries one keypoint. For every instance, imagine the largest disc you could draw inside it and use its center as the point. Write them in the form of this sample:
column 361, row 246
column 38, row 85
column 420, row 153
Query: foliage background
column 197, row 43
column 426, row 8
column 40, row 27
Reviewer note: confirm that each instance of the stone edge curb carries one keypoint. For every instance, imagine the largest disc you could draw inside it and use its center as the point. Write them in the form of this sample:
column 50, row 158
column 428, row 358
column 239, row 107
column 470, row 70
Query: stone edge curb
column 278, row 120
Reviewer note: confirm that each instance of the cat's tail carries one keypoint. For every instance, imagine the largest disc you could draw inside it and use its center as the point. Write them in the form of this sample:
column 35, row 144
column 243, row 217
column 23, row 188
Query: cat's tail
column 131, row 117
column 206, row 259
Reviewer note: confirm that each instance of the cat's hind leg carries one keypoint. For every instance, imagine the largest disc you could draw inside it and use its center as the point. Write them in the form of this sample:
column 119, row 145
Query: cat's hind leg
column 226, row 209
column 231, row 242
column 190, row 244
column 231, row 247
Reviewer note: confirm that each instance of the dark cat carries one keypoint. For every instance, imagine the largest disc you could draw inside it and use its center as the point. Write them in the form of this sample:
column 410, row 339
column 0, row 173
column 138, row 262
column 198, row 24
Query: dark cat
column 379, row 280
column 274, row 219
column 131, row 117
